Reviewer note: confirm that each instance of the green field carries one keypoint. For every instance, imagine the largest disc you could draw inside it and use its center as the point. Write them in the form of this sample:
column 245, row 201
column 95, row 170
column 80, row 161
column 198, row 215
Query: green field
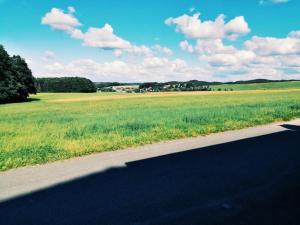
column 259, row 86
column 60, row 126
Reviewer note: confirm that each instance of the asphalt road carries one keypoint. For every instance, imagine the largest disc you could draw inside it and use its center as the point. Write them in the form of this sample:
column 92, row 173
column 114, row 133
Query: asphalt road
column 250, row 181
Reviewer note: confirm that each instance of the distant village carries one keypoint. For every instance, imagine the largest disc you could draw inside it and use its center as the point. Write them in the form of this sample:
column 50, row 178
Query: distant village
column 192, row 85
column 155, row 87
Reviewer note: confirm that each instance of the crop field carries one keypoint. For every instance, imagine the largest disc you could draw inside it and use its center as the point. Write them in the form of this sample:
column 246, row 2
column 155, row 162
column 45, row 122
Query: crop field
column 61, row 126
column 259, row 86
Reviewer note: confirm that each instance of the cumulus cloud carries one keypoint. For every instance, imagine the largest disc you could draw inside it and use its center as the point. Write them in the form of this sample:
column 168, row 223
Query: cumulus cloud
column 294, row 34
column 273, row 46
column 216, row 53
column 236, row 27
column 143, row 50
column 118, row 53
column 210, row 47
column 60, row 20
column 103, row 37
column 262, row 51
column 153, row 62
column 290, row 61
column 139, row 50
column 237, row 58
column 268, row 57
column 186, row 46
column 192, row 27
column 162, row 49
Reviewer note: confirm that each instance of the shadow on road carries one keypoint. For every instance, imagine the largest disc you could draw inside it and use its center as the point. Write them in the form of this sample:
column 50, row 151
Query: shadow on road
column 251, row 181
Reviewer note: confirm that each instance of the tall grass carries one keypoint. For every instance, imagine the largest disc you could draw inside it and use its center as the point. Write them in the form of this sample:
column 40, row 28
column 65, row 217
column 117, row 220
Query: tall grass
column 44, row 131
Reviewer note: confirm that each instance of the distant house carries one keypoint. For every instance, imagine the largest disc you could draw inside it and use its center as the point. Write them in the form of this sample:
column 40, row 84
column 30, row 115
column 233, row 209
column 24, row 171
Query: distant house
column 167, row 86
column 127, row 88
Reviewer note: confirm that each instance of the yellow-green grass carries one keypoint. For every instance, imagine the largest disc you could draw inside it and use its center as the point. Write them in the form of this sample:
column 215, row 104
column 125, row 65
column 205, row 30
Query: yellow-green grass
column 61, row 126
column 259, row 86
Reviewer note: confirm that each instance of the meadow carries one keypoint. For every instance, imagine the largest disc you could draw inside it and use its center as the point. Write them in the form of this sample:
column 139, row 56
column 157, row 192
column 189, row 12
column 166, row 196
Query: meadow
column 61, row 126
column 259, row 86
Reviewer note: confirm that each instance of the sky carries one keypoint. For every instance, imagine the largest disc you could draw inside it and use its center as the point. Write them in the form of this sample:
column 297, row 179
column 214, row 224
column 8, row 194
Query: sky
column 158, row 40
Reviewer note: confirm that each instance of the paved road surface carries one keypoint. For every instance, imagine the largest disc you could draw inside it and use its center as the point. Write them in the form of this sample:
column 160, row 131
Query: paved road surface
column 239, row 177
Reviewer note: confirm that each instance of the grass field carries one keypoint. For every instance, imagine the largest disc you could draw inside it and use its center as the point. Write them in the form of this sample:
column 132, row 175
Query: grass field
column 60, row 126
column 259, row 86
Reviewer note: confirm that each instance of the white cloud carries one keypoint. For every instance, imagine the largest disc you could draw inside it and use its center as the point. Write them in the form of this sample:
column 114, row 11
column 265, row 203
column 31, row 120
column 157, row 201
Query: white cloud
column 102, row 37
column 71, row 9
column 150, row 69
column 290, row 61
column 210, row 47
column 118, row 53
column 214, row 52
column 236, row 27
column 220, row 60
column 262, row 2
column 162, row 49
column 238, row 58
column 153, row 62
column 260, row 57
column 294, row 34
column 60, row 20
column 142, row 50
column 139, row 50
column 193, row 27
column 157, row 62
column 185, row 46
column 273, row 46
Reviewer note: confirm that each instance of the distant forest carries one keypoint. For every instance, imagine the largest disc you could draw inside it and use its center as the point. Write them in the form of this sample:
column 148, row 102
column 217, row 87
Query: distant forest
column 65, row 84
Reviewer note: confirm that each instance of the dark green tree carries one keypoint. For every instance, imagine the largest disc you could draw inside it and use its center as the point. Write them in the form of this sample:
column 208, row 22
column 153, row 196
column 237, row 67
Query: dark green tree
column 16, row 80
column 24, row 74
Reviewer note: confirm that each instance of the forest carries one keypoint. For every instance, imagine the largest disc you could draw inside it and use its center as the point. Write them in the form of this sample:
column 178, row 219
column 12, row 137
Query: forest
column 65, row 84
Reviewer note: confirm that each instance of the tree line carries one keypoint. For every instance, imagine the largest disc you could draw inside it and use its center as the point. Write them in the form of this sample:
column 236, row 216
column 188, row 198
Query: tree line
column 65, row 84
column 16, row 80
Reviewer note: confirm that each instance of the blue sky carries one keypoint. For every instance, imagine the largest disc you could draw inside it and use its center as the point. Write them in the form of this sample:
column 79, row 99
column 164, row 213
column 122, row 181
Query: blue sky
column 139, row 43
